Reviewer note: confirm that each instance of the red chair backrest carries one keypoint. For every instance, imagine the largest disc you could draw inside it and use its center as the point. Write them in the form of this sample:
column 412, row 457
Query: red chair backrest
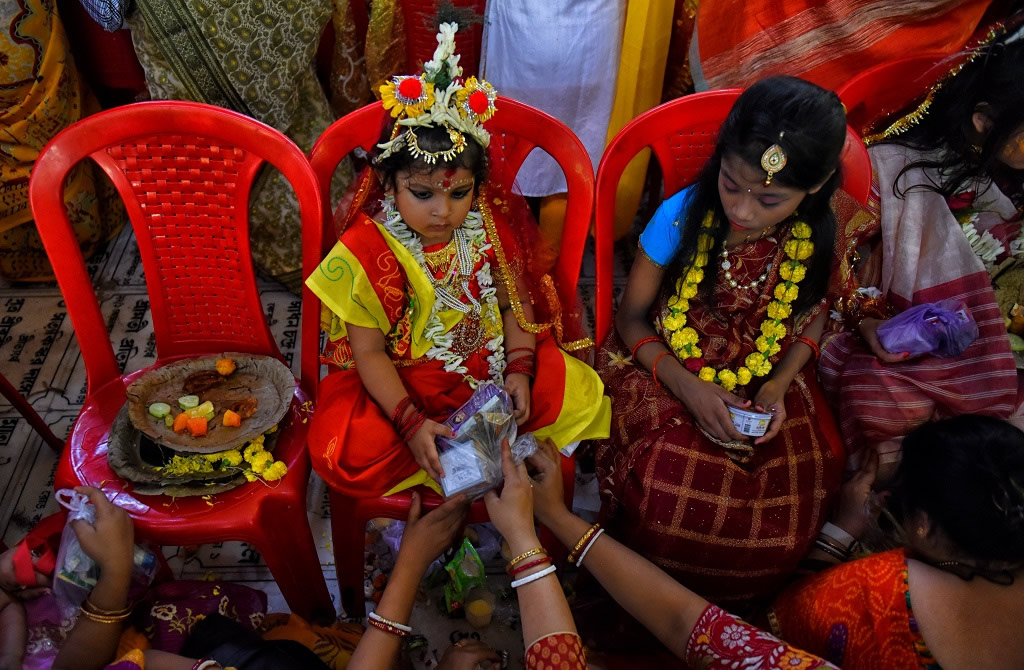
column 887, row 88
column 184, row 171
column 517, row 129
column 682, row 134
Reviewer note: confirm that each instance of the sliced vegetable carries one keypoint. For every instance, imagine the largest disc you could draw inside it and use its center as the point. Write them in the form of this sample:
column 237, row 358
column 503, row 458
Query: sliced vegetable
column 159, row 409
column 188, row 401
column 225, row 366
column 206, row 409
column 180, row 423
column 197, row 426
column 169, row 421
column 231, row 419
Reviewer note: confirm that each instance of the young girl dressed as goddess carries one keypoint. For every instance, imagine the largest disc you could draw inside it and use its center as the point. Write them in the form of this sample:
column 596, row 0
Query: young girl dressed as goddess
column 433, row 296
column 723, row 308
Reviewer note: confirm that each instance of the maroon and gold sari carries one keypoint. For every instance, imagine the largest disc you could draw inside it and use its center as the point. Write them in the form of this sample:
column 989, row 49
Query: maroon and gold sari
column 730, row 531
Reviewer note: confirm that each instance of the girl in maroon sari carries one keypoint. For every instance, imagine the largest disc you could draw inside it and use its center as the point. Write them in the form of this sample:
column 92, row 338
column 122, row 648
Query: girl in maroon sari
column 723, row 307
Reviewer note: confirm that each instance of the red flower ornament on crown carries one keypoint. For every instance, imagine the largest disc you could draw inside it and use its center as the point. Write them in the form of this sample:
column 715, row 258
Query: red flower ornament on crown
column 438, row 98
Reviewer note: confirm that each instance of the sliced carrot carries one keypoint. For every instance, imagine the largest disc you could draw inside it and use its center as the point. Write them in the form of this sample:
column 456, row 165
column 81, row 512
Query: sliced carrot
column 232, row 419
column 197, row 426
column 180, row 423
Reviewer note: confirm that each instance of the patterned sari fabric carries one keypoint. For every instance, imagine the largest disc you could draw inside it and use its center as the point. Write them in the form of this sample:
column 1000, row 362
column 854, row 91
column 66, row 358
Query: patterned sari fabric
column 369, row 279
column 729, row 531
column 41, row 94
column 257, row 59
column 858, row 615
column 557, row 651
column 737, row 42
column 720, row 641
column 921, row 255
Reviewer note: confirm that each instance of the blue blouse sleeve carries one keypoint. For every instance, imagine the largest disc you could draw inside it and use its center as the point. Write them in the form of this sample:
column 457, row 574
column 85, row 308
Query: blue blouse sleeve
column 663, row 234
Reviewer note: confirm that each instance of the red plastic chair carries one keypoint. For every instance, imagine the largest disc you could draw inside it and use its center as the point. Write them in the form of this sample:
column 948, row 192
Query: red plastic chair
column 184, row 171
column 517, row 129
column 682, row 135
column 887, row 88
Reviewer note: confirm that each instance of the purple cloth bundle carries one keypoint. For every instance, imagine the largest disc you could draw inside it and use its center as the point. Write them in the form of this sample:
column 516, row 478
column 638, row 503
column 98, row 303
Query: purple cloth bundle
column 944, row 329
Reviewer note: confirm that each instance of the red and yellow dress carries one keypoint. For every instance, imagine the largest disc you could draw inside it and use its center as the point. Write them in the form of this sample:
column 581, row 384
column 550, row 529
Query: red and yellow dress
column 370, row 279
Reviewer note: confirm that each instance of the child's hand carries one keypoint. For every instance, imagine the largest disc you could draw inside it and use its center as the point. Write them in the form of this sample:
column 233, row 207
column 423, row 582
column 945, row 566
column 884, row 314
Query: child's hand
column 512, row 511
column 869, row 331
column 548, row 496
column 518, row 386
column 111, row 540
column 424, row 449
column 769, row 399
column 707, row 402
column 427, row 536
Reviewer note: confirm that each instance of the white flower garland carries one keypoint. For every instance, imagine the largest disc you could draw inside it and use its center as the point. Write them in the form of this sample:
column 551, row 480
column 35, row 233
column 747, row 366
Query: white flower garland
column 476, row 237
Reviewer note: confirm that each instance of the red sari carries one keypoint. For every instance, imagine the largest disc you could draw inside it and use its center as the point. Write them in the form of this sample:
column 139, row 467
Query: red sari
column 729, row 531
column 353, row 444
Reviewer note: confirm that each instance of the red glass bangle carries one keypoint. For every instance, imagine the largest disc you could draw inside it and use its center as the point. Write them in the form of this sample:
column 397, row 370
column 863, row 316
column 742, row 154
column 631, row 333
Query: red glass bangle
column 642, row 342
column 400, row 409
column 380, row 625
column 517, row 349
column 811, row 343
column 532, row 564
column 654, row 368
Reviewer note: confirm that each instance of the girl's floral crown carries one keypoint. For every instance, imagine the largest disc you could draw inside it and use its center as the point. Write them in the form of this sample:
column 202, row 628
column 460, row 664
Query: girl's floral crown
column 438, row 98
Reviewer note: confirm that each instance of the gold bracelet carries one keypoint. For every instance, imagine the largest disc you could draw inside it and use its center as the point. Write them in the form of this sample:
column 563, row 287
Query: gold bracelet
column 522, row 557
column 91, row 606
column 99, row 618
column 583, row 541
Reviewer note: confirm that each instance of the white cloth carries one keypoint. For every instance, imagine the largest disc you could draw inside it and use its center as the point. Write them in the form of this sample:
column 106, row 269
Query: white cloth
column 560, row 56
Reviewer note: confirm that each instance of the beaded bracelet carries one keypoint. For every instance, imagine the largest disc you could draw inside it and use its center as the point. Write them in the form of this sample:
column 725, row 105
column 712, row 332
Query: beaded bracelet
column 387, row 628
column 532, row 564
column 532, row 578
column 523, row 556
column 583, row 541
column 394, row 624
column 583, row 554
column 642, row 342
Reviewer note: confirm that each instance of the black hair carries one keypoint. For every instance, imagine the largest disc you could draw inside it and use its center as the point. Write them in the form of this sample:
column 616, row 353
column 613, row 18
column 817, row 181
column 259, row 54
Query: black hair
column 433, row 138
column 991, row 83
column 967, row 475
column 809, row 123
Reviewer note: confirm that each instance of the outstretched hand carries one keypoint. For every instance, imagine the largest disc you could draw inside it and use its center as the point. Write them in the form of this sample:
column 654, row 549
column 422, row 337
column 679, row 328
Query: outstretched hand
column 548, row 495
column 428, row 535
column 111, row 540
column 511, row 512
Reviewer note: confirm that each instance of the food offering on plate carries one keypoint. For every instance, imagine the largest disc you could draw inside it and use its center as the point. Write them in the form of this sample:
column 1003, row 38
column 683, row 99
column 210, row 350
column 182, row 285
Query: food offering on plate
column 202, row 425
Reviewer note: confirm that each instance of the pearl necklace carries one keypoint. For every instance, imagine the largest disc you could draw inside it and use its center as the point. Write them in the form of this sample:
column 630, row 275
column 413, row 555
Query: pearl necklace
column 727, row 264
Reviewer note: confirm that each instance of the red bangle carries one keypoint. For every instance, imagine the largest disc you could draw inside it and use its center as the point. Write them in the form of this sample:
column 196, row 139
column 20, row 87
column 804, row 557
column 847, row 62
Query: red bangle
column 512, row 351
column 523, row 365
column 387, row 628
column 654, row 368
column 400, row 409
column 811, row 343
column 642, row 342
column 532, row 564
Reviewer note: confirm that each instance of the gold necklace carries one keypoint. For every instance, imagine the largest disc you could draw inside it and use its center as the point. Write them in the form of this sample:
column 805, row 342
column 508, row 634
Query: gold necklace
column 441, row 258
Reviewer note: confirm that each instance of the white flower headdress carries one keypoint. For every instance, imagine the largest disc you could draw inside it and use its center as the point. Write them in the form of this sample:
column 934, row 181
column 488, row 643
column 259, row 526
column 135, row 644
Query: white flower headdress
column 438, row 98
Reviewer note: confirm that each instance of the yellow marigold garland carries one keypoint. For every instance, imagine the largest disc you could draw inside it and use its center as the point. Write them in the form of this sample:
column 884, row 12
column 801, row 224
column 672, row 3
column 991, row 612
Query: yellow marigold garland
column 683, row 339
column 255, row 462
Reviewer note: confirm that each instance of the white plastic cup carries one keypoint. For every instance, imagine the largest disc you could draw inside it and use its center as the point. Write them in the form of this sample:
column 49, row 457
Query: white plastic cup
column 752, row 424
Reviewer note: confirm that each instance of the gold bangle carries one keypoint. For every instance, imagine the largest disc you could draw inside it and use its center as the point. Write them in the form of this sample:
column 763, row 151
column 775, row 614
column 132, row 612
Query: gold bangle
column 583, row 541
column 99, row 618
column 522, row 557
column 91, row 606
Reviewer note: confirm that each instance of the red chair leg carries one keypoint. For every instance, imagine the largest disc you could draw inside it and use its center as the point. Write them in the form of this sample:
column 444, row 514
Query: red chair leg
column 348, row 533
column 26, row 410
column 288, row 548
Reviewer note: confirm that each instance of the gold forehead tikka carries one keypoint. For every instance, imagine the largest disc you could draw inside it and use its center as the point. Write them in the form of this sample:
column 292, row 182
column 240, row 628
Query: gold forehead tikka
column 773, row 160
column 430, row 157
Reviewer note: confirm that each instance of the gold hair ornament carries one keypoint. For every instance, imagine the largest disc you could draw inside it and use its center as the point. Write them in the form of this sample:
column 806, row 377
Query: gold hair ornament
column 773, row 160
